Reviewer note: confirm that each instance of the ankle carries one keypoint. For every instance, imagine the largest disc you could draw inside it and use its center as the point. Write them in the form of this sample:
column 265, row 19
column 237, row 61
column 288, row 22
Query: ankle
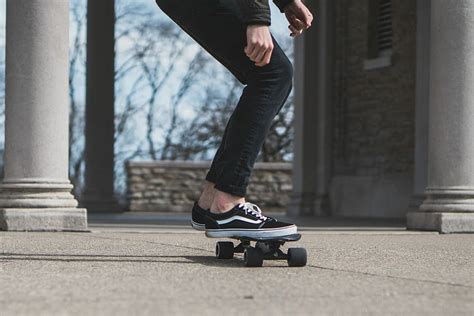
column 207, row 195
column 224, row 202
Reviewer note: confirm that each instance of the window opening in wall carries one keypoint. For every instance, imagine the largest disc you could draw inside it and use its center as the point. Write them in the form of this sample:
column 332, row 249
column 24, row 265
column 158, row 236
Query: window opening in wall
column 380, row 32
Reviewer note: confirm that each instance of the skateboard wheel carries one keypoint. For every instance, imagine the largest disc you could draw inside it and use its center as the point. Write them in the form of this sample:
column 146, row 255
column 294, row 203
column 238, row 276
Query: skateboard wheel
column 253, row 257
column 297, row 257
column 225, row 249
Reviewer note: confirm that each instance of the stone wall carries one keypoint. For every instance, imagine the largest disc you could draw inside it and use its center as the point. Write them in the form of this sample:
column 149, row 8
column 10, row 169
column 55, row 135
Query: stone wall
column 374, row 112
column 173, row 186
column 374, row 109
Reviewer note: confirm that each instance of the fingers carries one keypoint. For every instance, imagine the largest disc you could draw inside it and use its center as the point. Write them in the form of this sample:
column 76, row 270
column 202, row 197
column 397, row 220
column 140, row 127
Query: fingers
column 259, row 52
column 294, row 31
column 251, row 50
column 303, row 15
column 260, row 55
column 307, row 18
column 297, row 26
column 266, row 58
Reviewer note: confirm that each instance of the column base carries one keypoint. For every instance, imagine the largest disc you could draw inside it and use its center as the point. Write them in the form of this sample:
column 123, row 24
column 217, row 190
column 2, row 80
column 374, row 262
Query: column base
column 39, row 205
column 43, row 219
column 443, row 222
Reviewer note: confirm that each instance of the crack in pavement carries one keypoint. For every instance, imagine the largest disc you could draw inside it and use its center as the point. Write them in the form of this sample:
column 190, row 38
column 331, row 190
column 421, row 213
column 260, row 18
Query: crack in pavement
column 391, row 276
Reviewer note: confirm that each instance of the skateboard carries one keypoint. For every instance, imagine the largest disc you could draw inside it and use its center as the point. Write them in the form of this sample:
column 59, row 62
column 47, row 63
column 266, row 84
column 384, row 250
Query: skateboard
column 265, row 249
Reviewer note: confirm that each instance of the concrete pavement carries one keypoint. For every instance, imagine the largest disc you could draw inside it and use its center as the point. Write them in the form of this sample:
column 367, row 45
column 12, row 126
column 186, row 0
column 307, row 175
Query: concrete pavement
column 139, row 269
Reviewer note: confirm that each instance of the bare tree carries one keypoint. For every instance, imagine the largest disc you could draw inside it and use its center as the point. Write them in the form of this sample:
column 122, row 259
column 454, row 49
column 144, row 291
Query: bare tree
column 76, row 110
column 203, row 135
column 198, row 62
column 155, row 73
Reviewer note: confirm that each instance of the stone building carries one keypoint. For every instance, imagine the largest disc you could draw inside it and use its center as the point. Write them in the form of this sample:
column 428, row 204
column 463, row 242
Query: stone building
column 384, row 114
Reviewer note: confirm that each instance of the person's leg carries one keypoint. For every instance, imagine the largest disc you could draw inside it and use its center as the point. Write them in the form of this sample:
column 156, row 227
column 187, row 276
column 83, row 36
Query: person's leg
column 218, row 28
column 267, row 90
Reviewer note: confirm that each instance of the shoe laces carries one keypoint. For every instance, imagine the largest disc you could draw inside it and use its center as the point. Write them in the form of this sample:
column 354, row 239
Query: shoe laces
column 253, row 209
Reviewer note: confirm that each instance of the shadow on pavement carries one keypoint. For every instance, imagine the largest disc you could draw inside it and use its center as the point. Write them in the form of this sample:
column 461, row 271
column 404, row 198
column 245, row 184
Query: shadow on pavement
column 185, row 259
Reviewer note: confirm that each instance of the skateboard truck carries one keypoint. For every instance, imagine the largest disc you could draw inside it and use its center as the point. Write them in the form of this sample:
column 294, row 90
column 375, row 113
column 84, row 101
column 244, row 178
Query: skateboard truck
column 264, row 249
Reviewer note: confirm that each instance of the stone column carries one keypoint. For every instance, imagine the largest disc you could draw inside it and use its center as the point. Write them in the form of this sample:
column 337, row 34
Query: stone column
column 98, row 192
column 449, row 203
column 35, row 192
column 313, row 97
column 422, row 102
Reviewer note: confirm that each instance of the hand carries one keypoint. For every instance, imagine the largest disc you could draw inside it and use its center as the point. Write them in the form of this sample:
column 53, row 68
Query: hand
column 299, row 16
column 259, row 44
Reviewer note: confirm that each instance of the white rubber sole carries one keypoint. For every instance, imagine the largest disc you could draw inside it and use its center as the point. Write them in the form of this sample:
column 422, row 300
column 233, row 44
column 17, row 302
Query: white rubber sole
column 197, row 226
column 252, row 233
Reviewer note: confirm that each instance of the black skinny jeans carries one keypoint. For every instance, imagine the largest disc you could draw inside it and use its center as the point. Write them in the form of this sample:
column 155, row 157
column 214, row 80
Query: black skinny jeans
column 217, row 26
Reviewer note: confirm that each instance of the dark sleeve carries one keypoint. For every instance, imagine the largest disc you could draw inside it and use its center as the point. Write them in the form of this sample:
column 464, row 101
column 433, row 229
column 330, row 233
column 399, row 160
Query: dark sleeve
column 281, row 4
column 255, row 11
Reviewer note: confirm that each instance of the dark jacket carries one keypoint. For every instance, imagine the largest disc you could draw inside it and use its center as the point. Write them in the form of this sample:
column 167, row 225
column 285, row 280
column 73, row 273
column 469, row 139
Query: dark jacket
column 258, row 11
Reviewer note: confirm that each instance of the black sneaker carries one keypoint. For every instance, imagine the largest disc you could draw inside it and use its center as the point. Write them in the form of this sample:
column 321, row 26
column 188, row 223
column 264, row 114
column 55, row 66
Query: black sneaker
column 198, row 217
column 246, row 220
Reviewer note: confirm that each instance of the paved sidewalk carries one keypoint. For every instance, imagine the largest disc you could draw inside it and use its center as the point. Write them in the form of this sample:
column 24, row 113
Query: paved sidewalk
column 151, row 269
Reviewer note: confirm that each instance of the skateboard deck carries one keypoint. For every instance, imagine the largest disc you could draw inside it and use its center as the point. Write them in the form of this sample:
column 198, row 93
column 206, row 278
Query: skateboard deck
column 287, row 238
column 266, row 248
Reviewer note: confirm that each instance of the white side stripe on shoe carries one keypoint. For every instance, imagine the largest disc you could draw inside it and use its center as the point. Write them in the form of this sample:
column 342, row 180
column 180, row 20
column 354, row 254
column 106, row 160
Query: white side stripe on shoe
column 240, row 218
